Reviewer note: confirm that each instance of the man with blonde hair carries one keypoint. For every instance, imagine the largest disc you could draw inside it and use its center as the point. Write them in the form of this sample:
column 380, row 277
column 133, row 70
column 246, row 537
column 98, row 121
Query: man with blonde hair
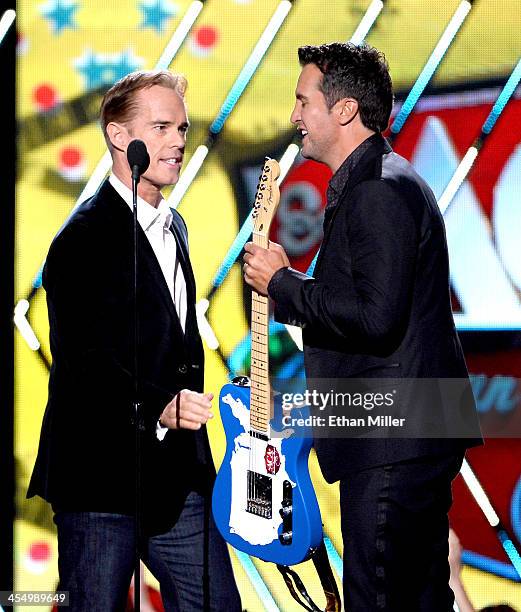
column 87, row 462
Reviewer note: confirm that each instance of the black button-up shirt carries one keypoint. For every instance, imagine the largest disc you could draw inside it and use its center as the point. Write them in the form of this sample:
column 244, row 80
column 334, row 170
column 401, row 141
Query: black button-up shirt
column 340, row 179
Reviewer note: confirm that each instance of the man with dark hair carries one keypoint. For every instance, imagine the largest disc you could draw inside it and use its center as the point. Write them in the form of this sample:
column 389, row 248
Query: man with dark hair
column 378, row 306
column 87, row 463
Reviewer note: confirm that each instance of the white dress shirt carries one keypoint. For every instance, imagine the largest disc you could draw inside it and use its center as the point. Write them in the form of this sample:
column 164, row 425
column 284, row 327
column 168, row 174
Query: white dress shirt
column 155, row 222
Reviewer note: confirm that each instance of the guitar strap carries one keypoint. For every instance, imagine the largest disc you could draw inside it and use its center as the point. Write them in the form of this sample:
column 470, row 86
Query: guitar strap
column 327, row 580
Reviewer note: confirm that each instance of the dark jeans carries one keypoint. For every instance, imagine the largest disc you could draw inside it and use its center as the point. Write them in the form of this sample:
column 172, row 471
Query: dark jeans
column 395, row 531
column 192, row 565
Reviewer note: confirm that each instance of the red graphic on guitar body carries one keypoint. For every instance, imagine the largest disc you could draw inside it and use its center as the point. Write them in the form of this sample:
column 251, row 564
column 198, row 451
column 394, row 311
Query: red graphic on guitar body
column 272, row 459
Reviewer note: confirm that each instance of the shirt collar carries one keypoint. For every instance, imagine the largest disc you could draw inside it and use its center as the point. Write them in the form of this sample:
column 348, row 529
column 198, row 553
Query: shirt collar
column 341, row 176
column 147, row 215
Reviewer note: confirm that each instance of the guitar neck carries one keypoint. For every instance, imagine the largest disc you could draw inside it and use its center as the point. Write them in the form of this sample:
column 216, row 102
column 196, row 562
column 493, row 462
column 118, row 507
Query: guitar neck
column 260, row 397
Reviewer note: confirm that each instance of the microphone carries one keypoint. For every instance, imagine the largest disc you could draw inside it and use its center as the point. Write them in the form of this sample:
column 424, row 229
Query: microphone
column 138, row 158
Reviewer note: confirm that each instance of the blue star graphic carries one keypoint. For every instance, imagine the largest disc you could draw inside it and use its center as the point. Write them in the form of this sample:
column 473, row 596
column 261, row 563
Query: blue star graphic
column 92, row 70
column 156, row 13
column 99, row 69
column 124, row 63
column 60, row 13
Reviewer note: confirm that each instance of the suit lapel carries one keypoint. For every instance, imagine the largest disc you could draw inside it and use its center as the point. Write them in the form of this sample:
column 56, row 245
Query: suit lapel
column 150, row 264
column 121, row 214
column 182, row 255
column 176, row 227
column 363, row 170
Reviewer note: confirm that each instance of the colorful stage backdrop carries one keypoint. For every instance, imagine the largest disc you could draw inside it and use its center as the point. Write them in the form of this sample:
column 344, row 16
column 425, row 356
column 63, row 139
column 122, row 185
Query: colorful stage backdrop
column 70, row 51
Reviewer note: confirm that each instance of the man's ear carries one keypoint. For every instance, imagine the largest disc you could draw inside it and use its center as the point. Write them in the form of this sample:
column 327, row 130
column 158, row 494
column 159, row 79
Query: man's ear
column 348, row 110
column 118, row 135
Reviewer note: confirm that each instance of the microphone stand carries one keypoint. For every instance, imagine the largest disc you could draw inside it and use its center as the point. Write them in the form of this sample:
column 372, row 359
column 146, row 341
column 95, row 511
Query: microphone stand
column 136, row 402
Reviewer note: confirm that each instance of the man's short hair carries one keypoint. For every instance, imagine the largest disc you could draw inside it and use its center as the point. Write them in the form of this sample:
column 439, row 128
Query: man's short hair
column 119, row 103
column 359, row 72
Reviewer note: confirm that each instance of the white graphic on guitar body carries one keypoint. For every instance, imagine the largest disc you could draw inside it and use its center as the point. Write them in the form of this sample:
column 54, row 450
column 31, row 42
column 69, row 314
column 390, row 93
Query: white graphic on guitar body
column 249, row 454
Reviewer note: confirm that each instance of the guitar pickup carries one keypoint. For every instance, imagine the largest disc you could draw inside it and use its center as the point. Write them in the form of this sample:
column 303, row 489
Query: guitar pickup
column 259, row 495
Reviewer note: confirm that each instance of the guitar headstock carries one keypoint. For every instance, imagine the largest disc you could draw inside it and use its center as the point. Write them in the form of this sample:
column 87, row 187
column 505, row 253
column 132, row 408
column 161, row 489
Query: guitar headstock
column 267, row 197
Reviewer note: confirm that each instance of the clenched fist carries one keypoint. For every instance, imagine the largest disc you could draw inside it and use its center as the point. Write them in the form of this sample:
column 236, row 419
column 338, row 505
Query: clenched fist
column 187, row 410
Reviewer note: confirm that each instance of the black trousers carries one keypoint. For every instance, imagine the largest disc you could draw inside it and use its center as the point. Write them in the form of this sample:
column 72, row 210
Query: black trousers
column 395, row 531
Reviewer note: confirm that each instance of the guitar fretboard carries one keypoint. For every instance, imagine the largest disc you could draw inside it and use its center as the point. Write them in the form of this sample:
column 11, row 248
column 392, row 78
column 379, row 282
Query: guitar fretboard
column 260, row 397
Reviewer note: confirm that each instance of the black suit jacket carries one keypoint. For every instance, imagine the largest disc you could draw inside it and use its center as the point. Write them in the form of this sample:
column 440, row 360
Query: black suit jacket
column 379, row 304
column 87, row 454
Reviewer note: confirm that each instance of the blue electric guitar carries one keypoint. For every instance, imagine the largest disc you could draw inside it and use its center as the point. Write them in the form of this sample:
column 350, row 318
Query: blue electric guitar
column 263, row 500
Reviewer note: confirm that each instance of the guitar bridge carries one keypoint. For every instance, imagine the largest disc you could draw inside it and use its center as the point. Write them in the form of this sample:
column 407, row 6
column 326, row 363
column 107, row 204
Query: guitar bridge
column 259, row 495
